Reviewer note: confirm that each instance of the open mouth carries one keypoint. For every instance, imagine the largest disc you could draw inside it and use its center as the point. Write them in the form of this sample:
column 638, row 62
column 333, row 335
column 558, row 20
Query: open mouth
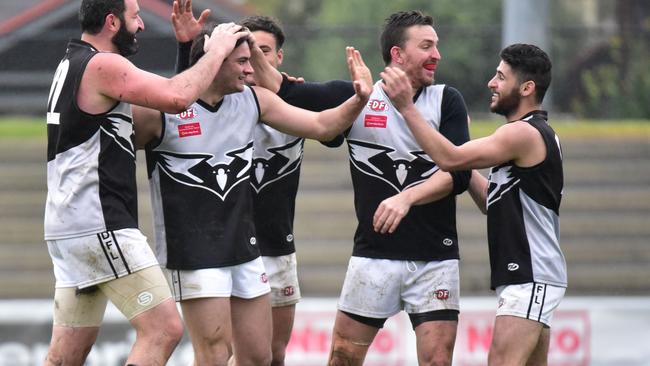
column 430, row 67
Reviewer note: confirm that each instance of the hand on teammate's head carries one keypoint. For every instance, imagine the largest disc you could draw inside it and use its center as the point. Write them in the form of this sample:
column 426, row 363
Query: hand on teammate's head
column 224, row 37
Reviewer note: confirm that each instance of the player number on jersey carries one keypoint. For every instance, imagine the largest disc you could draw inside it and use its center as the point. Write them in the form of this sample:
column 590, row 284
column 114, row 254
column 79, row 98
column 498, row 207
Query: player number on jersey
column 55, row 91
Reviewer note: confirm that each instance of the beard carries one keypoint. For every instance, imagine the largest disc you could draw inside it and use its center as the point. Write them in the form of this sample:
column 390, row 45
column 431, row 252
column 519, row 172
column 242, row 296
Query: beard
column 125, row 41
column 506, row 104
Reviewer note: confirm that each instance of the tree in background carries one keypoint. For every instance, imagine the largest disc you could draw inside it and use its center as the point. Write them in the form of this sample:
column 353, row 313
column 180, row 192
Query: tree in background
column 608, row 77
column 600, row 48
column 318, row 31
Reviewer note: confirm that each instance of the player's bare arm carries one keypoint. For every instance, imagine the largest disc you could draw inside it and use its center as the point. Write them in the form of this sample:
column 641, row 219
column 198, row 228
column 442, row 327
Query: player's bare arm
column 477, row 189
column 147, row 124
column 324, row 125
column 265, row 74
column 516, row 141
column 392, row 210
column 110, row 77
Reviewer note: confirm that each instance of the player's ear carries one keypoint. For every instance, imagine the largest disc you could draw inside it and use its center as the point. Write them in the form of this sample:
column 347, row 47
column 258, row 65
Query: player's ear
column 396, row 55
column 112, row 22
column 280, row 56
column 527, row 88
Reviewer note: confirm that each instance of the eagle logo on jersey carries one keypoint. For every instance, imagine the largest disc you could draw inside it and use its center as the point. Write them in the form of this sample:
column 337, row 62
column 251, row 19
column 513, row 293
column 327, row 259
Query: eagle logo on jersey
column 381, row 162
column 281, row 161
column 121, row 130
column 201, row 170
column 501, row 181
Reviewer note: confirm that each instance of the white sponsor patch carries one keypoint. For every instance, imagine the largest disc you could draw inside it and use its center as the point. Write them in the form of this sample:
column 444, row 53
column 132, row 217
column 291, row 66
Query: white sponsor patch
column 145, row 298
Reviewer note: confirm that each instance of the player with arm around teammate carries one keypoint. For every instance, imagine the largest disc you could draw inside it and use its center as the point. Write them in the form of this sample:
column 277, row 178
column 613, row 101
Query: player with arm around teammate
column 200, row 162
column 91, row 227
column 521, row 197
column 405, row 254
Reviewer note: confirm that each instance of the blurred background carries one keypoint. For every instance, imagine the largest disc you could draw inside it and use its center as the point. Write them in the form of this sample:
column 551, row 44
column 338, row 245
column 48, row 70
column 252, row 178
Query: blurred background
column 599, row 104
column 600, row 48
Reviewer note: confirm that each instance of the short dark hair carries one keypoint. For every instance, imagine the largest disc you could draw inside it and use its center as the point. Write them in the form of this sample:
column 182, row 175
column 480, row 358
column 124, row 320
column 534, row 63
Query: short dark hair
column 196, row 52
column 529, row 62
column 92, row 13
column 266, row 24
column 395, row 28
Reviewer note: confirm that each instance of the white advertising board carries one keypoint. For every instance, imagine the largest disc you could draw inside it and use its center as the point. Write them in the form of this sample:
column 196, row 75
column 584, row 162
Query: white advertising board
column 587, row 331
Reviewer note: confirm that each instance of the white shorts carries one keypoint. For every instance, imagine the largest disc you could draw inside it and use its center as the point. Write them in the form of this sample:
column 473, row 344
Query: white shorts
column 283, row 277
column 380, row 288
column 247, row 280
column 88, row 260
column 535, row 301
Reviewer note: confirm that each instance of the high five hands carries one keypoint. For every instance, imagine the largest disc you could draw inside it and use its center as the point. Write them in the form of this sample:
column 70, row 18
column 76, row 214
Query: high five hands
column 359, row 73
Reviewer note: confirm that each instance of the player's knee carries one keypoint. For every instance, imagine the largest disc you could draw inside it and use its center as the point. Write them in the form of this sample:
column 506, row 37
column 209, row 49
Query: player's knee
column 258, row 358
column 71, row 358
column 214, row 349
column 341, row 357
column 174, row 331
column 166, row 334
column 495, row 358
column 442, row 358
column 277, row 359
column 53, row 360
column 436, row 356
column 347, row 353
column 278, row 349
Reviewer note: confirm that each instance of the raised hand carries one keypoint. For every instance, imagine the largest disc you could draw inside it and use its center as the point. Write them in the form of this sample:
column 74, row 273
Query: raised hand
column 397, row 86
column 359, row 73
column 223, row 37
column 186, row 26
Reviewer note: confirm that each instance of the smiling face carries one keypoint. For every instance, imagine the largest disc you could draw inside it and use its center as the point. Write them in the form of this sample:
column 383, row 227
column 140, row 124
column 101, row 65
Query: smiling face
column 420, row 56
column 505, row 91
column 235, row 69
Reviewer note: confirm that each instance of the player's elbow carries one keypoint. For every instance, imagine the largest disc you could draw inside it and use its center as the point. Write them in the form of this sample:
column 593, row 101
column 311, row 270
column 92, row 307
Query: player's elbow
column 174, row 101
column 327, row 135
column 448, row 165
column 451, row 162
column 323, row 132
column 179, row 104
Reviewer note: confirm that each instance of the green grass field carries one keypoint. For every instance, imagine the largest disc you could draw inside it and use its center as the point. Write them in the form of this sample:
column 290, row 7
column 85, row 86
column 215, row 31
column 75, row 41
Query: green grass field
column 17, row 127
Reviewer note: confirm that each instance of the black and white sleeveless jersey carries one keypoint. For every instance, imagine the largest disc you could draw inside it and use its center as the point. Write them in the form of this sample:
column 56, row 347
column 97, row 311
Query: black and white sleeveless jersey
column 200, row 184
column 277, row 159
column 275, row 177
column 385, row 159
column 90, row 158
column 523, row 216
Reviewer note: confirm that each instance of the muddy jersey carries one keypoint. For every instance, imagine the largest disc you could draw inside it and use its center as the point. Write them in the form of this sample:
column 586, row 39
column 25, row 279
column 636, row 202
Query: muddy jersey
column 91, row 185
column 385, row 159
column 277, row 159
column 523, row 216
column 199, row 175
